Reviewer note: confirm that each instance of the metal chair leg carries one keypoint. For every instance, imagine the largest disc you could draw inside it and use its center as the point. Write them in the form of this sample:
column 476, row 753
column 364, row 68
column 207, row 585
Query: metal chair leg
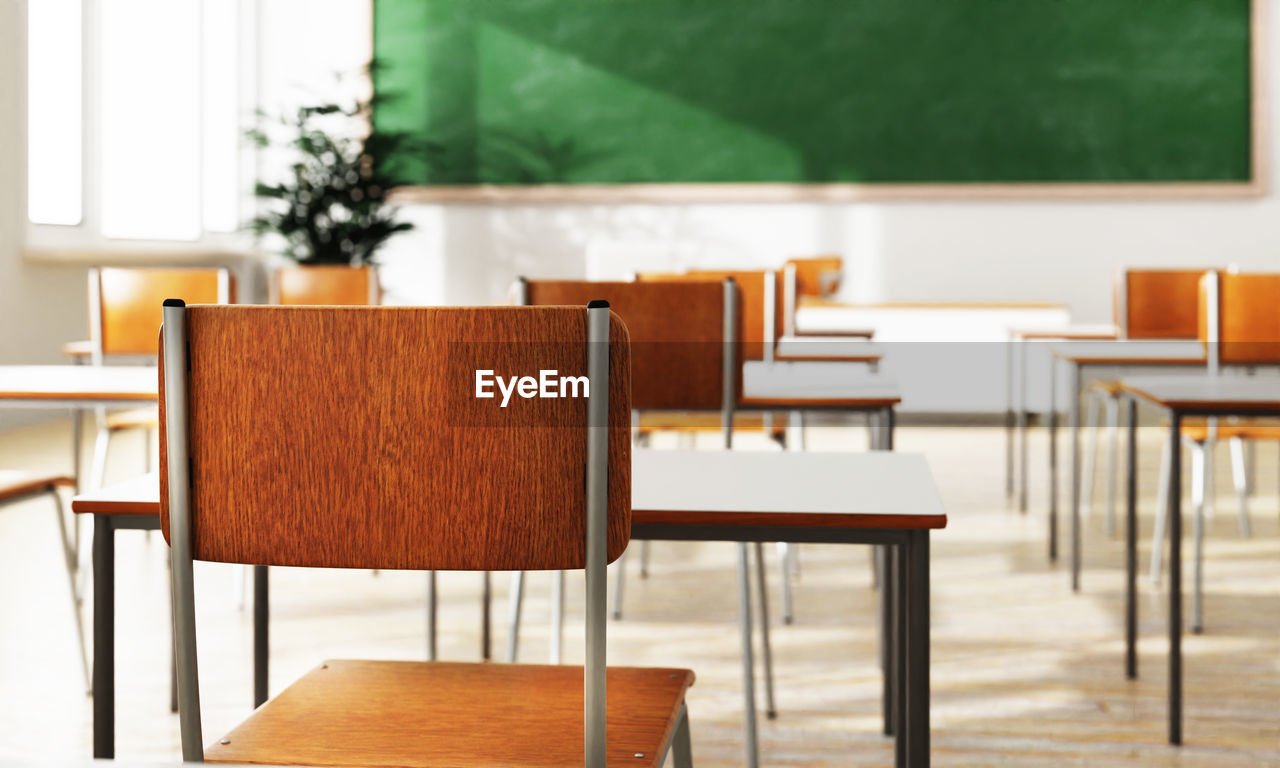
column 1162, row 512
column 557, row 617
column 619, row 584
column 766, row 649
column 431, row 612
column 69, row 557
column 644, row 559
column 1240, row 476
column 1113, row 450
column 515, row 599
column 98, row 467
column 681, row 745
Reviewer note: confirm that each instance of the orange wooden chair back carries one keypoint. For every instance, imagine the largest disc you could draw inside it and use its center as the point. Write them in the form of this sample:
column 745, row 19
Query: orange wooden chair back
column 817, row 275
column 676, row 331
column 1158, row 303
column 326, row 285
column 125, row 303
column 352, row 437
column 1248, row 323
column 751, row 302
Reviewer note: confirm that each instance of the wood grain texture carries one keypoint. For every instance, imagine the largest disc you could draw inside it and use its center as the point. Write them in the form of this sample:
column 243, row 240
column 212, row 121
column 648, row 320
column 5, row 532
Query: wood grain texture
column 676, row 331
column 418, row 714
column 817, row 275
column 352, row 437
column 1160, row 303
column 15, row 483
column 751, row 286
column 1250, row 318
column 131, row 301
column 326, row 284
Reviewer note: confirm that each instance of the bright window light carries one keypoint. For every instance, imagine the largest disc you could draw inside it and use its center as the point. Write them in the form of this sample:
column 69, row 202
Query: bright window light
column 151, row 119
column 222, row 118
column 54, row 96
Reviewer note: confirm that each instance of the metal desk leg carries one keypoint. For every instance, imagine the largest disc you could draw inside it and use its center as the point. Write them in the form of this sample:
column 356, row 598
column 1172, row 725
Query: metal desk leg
column 431, row 615
column 1009, row 417
column 261, row 646
column 1073, row 418
column 104, row 652
column 1023, row 428
column 900, row 558
column 917, row 691
column 750, row 745
column 1131, row 549
column 1053, row 459
column 1175, row 580
column 888, row 635
column 485, row 630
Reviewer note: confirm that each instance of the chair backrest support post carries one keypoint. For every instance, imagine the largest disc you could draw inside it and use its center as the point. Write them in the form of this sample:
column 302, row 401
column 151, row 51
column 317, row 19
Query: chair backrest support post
column 181, row 571
column 728, row 378
column 594, row 700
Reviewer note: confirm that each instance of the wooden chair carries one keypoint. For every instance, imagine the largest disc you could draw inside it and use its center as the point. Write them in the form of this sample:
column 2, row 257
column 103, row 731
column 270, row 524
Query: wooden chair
column 16, row 486
column 326, row 284
column 1148, row 304
column 816, row 277
column 416, row 473
column 124, row 318
column 685, row 357
column 1239, row 321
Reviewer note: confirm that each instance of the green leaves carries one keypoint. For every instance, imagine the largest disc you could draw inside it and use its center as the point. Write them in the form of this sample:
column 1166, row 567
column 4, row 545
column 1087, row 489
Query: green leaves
column 330, row 206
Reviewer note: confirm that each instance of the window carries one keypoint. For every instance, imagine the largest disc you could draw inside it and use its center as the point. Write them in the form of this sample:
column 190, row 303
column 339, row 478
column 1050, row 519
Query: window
column 135, row 117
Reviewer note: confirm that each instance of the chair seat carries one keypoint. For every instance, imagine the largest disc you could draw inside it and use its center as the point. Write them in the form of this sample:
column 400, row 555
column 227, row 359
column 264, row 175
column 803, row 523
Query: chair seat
column 1197, row 431
column 1111, row 387
column 15, row 483
column 134, row 418
column 695, row 421
column 412, row 714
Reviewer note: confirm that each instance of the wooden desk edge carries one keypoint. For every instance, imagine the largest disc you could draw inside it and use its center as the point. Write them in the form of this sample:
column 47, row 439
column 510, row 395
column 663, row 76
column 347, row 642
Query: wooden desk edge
column 1238, row 406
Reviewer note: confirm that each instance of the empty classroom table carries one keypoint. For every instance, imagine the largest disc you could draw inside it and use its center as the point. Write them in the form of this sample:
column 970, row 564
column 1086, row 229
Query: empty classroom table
column 1180, row 397
column 829, row 498
column 1080, row 357
column 135, row 504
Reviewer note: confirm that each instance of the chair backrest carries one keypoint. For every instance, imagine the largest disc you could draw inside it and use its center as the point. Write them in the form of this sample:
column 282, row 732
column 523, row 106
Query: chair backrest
column 1158, row 303
column 125, row 303
column 357, row 437
column 760, row 310
column 327, row 285
column 678, row 336
column 1241, row 313
column 816, row 275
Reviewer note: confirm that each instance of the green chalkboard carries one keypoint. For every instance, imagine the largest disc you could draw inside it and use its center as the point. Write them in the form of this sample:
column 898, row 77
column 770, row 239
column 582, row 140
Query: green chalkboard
column 817, row 91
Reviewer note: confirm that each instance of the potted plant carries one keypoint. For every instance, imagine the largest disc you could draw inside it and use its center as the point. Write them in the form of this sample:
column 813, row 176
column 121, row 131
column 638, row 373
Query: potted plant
column 329, row 209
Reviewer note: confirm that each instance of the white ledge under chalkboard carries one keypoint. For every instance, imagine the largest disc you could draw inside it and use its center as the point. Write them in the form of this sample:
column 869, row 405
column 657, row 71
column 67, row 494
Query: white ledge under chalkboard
column 592, row 194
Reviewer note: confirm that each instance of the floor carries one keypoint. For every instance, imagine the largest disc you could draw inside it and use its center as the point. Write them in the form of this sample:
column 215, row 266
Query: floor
column 1025, row 673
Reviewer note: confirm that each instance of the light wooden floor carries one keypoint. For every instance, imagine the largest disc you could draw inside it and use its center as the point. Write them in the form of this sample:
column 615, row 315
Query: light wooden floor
column 1024, row 672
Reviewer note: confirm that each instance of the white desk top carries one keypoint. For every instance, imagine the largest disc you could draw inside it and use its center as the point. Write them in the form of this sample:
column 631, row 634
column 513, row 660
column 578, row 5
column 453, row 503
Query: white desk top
column 64, row 385
column 814, row 380
column 1136, row 352
column 1252, row 394
column 1086, row 331
column 828, row 346
column 788, row 483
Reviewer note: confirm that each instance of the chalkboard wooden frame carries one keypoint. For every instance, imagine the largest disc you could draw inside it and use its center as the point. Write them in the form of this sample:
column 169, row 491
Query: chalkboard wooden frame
column 765, row 192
